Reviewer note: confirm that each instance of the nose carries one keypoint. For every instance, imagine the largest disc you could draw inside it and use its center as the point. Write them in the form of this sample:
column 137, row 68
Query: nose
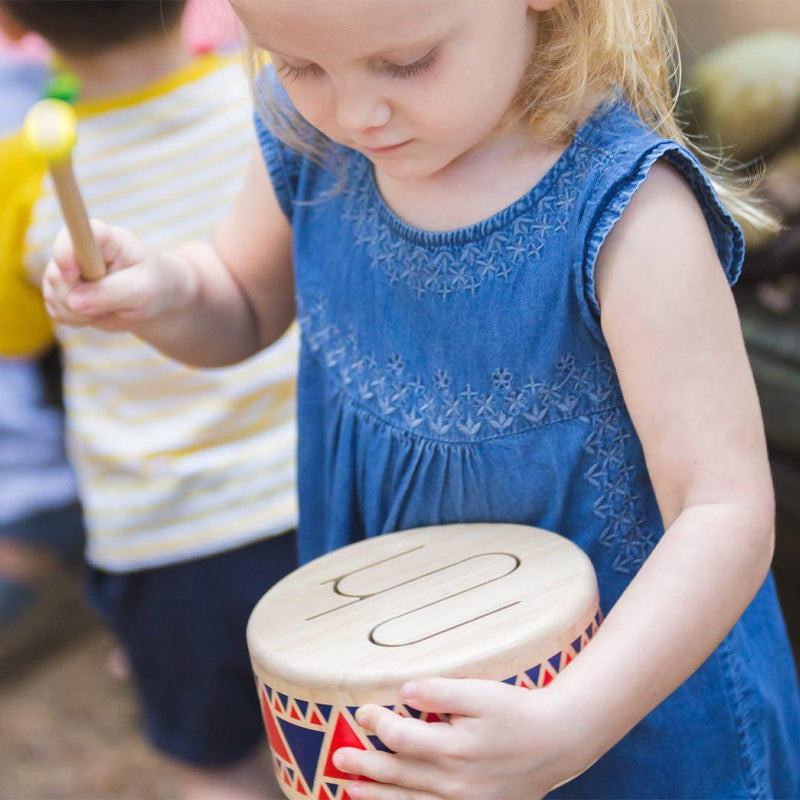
column 358, row 109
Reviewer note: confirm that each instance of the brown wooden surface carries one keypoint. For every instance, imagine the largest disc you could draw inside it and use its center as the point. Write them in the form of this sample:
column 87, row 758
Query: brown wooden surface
column 90, row 259
column 70, row 731
column 458, row 600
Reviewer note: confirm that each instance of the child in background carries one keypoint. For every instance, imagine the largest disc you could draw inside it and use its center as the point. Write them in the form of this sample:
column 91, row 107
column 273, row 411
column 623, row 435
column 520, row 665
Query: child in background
column 40, row 520
column 187, row 476
column 512, row 283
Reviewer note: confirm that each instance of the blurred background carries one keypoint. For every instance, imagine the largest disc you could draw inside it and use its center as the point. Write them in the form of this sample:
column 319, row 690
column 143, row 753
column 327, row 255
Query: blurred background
column 69, row 726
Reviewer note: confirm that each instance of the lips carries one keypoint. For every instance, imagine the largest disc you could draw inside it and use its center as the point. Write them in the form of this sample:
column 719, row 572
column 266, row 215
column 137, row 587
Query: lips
column 385, row 148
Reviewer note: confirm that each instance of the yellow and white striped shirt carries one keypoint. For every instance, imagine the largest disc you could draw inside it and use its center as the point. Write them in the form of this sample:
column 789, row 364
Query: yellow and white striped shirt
column 173, row 462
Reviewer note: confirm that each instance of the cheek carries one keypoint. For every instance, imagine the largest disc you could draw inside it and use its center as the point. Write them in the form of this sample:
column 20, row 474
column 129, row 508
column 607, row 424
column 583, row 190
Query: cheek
column 464, row 111
column 312, row 104
column 444, row 109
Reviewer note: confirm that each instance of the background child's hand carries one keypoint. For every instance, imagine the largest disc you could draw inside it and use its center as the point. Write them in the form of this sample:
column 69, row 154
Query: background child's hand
column 138, row 286
column 501, row 742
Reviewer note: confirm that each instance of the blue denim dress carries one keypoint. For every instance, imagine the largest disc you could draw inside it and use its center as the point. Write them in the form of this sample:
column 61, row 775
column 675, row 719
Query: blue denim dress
column 463, row 376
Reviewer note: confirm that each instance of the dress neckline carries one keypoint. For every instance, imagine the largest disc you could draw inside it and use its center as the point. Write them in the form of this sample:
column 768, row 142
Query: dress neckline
column 549, row 183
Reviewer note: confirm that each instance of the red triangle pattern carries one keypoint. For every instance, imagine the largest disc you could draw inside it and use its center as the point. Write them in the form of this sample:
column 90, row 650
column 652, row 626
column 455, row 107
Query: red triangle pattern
column 273, row 734
column 343, row 736
column 315, row 718
column 323, row 793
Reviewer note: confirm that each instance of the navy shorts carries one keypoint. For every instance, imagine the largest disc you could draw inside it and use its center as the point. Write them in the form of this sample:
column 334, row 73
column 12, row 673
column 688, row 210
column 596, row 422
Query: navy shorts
column 183, row 628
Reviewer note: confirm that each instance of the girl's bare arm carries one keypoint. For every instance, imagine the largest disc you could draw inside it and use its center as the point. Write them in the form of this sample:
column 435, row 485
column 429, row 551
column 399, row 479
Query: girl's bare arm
column 205, row 303
column 671, row 324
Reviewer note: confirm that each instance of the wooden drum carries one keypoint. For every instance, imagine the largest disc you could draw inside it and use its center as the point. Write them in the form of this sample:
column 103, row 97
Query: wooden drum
column 505, row 602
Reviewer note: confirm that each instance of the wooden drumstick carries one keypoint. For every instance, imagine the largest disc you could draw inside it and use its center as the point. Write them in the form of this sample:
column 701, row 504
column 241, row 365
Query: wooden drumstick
column 50, row 132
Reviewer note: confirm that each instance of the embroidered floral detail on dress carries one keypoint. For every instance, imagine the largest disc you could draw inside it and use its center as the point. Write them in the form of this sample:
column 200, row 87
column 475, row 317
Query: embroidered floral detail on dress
column 434, row 406
column 462, row 267
column 618, row 504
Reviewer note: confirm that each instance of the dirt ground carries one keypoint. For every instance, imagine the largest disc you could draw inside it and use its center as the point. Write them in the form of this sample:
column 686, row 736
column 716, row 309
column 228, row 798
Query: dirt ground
column 69, row 730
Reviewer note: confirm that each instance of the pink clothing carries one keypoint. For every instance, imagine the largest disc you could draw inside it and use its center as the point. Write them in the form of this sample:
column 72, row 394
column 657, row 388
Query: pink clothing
column 208, row 25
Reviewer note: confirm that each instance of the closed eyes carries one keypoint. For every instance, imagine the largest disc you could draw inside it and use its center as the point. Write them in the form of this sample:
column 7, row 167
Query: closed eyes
column 415, row 68
column 295, row 73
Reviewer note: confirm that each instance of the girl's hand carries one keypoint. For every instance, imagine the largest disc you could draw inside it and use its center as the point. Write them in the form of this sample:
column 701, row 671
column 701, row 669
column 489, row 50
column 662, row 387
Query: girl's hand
column 139, row 286
column 500, row 742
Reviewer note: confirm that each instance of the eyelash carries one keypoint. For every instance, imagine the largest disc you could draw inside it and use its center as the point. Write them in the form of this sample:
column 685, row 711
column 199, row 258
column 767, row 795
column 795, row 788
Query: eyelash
column 296, row 73
column 424, row 64
column 409, row 70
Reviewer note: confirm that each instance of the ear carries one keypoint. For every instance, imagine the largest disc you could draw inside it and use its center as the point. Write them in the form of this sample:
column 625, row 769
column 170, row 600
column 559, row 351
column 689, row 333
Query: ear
column 13, row 29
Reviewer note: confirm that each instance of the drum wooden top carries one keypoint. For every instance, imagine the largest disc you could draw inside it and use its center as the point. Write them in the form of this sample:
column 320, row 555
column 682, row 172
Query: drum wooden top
column 483, row 600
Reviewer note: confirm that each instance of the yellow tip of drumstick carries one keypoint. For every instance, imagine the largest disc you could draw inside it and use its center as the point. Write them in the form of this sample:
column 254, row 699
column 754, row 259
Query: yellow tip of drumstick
column 51, row 130
column 49, row 133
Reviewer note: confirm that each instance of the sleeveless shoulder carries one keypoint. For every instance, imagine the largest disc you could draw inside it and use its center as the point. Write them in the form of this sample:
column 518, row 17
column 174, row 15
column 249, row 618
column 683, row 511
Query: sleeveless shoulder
column 283, row 165
column 25, row 327
column 626, row 149
column 297, row 177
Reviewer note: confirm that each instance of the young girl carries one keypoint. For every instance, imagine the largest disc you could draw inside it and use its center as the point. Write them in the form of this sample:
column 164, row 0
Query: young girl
column 513, row 292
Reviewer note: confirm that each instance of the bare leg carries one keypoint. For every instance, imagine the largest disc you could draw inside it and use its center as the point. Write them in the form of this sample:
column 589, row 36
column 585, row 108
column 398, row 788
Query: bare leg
column 24, row 569
column 250, row 779
column 25, row 562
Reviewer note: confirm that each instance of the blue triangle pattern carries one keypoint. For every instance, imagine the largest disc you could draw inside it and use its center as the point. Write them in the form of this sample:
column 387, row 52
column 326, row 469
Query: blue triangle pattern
column 284, row 700
column 414, row 712
column 305, row 745
column 332, row 788
column 324, row 710
column 303, row 706
column 379, row 745
column 576, row 645
column 533, row 674
column 511, row 681
column 554, row 660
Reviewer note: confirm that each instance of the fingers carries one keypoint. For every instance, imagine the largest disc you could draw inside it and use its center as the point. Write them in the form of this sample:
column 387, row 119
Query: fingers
column 127, row 294
column 463, row 697
column 64, row 261
column 377, row 791
column 420, row 765
column 386, row 769
column 119, row 248
column 405, row 735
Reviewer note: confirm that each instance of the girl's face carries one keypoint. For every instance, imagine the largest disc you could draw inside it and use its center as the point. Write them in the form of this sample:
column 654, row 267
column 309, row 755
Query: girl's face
column 412, row 84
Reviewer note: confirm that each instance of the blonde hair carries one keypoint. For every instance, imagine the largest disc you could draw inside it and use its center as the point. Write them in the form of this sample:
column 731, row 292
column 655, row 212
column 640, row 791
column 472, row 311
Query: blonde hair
column 584, row 48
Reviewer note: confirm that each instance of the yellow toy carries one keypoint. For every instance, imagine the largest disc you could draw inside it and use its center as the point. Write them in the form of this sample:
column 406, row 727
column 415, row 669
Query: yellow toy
column 50, row 133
